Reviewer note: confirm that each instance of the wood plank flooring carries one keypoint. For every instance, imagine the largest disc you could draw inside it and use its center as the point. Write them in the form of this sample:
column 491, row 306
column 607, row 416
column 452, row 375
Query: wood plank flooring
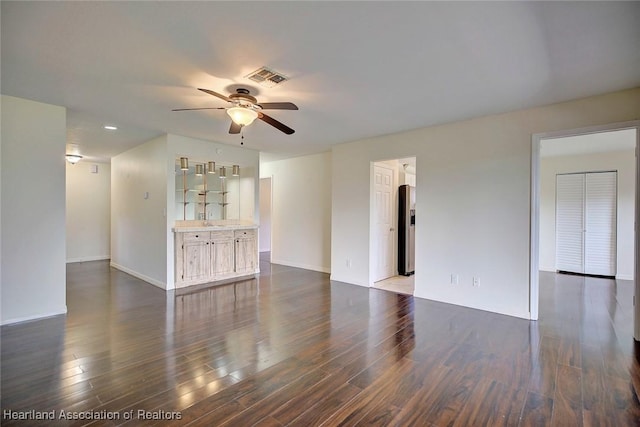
column 293, row 348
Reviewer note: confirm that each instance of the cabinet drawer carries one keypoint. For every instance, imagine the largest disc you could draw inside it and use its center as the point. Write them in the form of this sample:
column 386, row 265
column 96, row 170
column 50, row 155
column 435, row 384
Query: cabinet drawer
column 195, row 237
column 222, row 235
column 244, row 234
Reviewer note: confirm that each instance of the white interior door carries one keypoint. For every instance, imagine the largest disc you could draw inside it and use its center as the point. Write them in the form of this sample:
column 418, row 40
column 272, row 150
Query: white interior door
column 384, row 225
column 570, row 223
column 600, row 223
column 586, row 223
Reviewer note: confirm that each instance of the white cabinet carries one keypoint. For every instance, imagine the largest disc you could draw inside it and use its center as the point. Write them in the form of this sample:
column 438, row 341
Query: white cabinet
column 246, row 251
column 221, row 253
column 195, row 260
column 210, row 256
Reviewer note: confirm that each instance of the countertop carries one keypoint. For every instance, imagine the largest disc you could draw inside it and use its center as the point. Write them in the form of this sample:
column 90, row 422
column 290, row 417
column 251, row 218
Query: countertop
column 196, row 228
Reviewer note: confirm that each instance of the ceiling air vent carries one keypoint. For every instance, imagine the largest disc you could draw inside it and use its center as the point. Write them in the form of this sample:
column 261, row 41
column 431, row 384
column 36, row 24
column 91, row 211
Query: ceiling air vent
column 267, row 77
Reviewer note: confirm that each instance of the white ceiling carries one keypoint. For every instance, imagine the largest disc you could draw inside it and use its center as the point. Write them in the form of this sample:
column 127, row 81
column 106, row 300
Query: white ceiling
column 357, row 69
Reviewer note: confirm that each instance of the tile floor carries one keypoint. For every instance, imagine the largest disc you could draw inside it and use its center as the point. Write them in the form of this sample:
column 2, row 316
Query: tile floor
column 399, row 284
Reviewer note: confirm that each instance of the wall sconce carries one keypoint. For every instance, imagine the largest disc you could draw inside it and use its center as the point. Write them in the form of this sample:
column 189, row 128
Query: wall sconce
column 223, row 172
column 199, row 169
column 235, row 170
column 184, row 163
column 212, row 167
column 73, row 158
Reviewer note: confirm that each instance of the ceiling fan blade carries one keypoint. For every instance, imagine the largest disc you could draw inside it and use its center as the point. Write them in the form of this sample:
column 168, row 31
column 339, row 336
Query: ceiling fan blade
column 219, row 95
column 276, row 124
column 190, row 109
column 278, row 106
column 234, row 128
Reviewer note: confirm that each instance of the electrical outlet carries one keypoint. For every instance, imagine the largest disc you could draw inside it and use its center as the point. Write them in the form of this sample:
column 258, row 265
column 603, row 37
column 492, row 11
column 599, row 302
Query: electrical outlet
column 454, row 279
column 476, row 282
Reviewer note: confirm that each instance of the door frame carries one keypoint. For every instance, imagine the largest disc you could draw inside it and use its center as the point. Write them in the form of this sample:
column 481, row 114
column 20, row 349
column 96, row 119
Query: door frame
column 534, row 275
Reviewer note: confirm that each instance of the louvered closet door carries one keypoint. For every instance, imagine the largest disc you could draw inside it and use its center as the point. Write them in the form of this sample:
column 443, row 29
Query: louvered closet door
column 600, row 221
column 570, row 222
column 586, row 223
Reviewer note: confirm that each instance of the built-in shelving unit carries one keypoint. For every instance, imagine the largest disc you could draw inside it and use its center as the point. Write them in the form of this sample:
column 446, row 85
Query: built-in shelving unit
column 201, row 195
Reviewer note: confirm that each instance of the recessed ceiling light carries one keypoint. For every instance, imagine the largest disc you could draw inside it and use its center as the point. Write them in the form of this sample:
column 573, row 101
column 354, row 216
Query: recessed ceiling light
column 109, row 127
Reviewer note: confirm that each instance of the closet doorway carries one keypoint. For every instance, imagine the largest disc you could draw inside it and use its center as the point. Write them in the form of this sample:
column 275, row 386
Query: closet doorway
column 603, row 148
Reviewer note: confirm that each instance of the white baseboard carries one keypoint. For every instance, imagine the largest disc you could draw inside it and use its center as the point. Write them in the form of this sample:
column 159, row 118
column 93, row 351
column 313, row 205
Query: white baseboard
column 298, row 265
column 347, row 280
column 140, row 276
column 618, row 276
column 89, row 258
column 35, row 317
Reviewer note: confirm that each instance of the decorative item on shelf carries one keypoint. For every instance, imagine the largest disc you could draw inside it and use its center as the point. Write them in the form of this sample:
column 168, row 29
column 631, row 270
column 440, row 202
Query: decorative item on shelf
column 73, row 158
column 184, row 163
column 204, row 190
column 223, row 172
column 212, row 167
column 236, row 170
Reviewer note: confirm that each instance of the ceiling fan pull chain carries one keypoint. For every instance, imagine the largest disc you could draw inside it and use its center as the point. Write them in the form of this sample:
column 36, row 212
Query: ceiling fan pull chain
column 242, row 136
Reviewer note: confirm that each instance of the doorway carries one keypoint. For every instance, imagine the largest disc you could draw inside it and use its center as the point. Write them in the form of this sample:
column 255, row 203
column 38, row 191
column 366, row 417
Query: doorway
column 265, row 219
column 387, row 179
column 597, row 149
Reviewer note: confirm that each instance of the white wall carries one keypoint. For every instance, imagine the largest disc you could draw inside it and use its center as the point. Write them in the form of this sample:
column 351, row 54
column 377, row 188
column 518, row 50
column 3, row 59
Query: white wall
column 472, row 200
column 301, row 211
column 88, row 197
column 33, row 279
column 139, row 224
column 621, row 161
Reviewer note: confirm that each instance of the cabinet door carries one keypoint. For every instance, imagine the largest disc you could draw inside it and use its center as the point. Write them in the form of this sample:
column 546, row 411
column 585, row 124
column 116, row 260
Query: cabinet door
column 246, row 255
column 196, row 260
column 221, row 257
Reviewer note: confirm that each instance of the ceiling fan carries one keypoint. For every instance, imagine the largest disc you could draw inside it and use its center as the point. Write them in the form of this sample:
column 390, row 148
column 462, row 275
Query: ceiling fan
column 246, row 109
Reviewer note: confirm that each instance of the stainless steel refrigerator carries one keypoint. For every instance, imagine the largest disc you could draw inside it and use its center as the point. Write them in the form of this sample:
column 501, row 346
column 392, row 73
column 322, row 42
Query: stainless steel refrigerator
column 406, row 230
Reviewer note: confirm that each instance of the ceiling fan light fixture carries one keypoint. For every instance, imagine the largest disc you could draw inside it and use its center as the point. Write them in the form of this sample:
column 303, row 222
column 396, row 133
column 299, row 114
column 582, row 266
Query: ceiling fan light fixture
column 73, row 158
column 242, row 116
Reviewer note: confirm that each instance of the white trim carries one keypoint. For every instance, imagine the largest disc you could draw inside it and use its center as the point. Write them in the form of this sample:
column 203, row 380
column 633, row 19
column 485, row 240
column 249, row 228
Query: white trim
column 90, row 258
column 300, row 265
column 36, row 317
column 534, row 234
column 140, row 276
column 636, row 312
column 348, row 281
column 623, row 277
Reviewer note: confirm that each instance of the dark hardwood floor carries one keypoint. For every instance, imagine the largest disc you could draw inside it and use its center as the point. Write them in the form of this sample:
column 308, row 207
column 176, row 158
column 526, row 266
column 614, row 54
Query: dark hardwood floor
column 293, row 348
